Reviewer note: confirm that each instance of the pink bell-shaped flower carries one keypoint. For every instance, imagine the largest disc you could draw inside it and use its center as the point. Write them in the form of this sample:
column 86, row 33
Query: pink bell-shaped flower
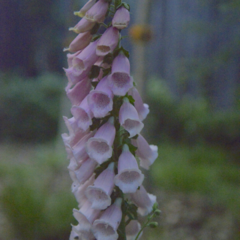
column 121, row 18
column 143, row 200
column 83, row 114
column 97, row 12
column 86, row 58
column 81, row 13
column 79, row 91
column 101, row 99
column 79, row 190
column 132, row 230
column 142, row 108
column 108, row 41
column 85, row 217
column 99, row 193
column 79, row 149
column 99, row 147
column 82, row 26
column 73, row 235
column 120, row 79
column 85, row 171
column 129, row 119
column 80, row 42
column 105, row 228
column 129, row 177
column 70, row 57
column 145, row 152
column 75, row 75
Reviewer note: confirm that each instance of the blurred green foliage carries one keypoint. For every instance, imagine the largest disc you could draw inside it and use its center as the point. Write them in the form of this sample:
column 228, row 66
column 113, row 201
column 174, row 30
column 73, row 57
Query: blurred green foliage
column 36, row 198
column 190, row 120
column 29, row 108
column 200, row 169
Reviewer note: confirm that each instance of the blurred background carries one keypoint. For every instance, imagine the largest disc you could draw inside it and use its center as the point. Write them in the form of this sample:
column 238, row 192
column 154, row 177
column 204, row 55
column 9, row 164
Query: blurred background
column 185, row 59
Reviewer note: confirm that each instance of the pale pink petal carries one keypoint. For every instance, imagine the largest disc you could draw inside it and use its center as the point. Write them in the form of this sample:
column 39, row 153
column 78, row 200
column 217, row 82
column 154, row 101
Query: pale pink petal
column 143, row 200
column 83, row 114
column 146, row 153
column 79, row 91
column 79, row 149
column 85, row 217
column 79, row 190
column 105, row 228
column 85, row 171
column 142, row 108
column 120, row 79
column 99, row 193
column 74, row 235
column 99, row 147
column 101, row 99
column 85, row 8
column 86, row 58
column 70, row 58
column 121, row 18
column 80, row 42
column 129, row 119
column 129, row 177
column 75, row 75
column 97, row 12
column 83, row 25
column 108, row 41
column 132, row 230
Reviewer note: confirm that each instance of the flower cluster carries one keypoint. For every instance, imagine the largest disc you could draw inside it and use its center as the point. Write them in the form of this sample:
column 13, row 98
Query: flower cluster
column 104, row 144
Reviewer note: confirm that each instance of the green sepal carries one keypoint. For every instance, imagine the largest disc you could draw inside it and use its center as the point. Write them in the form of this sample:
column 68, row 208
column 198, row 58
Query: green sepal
column 126, row 5
column 96, row 37
column 131, row 99
column 135, row 137
column 152, row 224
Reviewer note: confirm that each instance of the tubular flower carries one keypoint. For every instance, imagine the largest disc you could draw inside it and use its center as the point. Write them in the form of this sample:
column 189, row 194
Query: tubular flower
column 103, row 144
column 145, row 152
column 120, row 79
column 97, row 12
column 99, row 193
column 121, row 18
column 132, row 230
column 99, row 147
column 85, row 8
column 101, row 99
column 80, row 42
column 129, row 119
column 108, row 41
column 129, row 177
column 105, row 228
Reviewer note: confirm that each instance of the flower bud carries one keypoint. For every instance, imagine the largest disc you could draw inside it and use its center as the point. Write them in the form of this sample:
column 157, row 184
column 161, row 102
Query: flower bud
column 81, row 13
column 80, row 42
column 121, row 18
column 97, row 12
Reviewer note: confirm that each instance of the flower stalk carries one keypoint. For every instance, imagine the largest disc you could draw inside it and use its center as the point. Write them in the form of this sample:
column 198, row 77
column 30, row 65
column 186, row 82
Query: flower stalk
column 104, row 144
